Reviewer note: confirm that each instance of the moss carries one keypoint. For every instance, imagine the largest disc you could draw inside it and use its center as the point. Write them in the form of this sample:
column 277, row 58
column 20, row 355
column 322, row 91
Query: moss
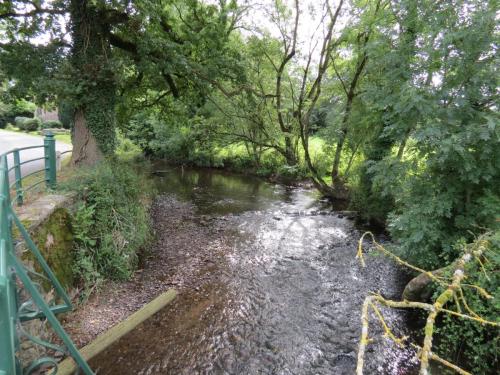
column 15, row 230
column 54, row 239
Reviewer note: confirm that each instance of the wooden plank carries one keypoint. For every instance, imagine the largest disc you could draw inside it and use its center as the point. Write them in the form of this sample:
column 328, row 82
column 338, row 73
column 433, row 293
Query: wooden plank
column 105, row 339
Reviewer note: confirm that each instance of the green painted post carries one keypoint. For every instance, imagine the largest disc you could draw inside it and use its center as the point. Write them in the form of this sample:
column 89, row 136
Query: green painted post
column 17, row 174
column 8, row 341
column 50, row 160
column 7, row 320
column 4, row 179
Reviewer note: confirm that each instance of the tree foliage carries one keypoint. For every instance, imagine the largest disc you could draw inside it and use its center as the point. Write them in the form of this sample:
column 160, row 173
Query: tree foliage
column 113, row 46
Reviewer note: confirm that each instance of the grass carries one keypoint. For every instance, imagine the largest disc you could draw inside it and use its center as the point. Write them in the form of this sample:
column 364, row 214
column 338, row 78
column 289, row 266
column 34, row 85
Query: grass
column 63, row 138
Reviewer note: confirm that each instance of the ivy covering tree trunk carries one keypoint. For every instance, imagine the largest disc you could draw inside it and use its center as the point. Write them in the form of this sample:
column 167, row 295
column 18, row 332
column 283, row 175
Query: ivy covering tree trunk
column 94, row 122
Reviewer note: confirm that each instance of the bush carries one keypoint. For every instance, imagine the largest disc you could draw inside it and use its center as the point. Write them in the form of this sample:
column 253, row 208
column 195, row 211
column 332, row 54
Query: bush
column 27, row 124
column 51, row 124
column 5, row 115
column 126, row 149
column 292, row 173
column 140, row 130
column 111, row 223
column 24, row 108
column 9, row 112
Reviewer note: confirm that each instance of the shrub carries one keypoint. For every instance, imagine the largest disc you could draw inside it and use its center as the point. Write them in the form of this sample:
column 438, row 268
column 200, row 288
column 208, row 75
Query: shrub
column 51, row 124
column 294, row 172
column 140, row 130
column 111, row 223
column 27, row 124
column 126, row 149
column 9, row 112
column 19, row 120
column 24, row 108
column 240, row 163
column 5, row 115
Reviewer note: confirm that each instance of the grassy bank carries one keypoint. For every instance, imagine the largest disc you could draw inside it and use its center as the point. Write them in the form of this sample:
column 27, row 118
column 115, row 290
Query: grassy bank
column 238, row 157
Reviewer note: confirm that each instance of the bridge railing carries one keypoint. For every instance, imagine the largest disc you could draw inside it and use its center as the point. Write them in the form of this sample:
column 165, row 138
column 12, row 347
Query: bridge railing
column 20, row 298
column 16, row 165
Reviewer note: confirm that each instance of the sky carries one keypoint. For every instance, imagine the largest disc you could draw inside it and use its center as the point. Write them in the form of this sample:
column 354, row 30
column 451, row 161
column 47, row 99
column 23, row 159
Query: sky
column 311, row 27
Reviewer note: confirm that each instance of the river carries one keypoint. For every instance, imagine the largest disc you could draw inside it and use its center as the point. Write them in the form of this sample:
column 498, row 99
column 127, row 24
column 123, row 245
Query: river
column 285, row 299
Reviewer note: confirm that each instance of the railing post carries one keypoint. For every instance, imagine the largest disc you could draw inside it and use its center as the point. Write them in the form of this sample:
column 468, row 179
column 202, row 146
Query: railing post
column 8, row 338
column 4, row 179
column 7, row 320
column 50, row 160
column 18, row 177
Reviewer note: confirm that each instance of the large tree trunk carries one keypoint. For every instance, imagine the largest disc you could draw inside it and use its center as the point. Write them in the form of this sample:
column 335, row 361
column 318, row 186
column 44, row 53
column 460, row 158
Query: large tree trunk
column 94, row 122
column 85, row 148
column 336, row 192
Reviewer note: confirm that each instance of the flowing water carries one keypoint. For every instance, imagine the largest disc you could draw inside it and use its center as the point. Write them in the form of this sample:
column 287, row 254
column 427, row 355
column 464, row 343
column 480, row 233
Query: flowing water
column 287, row 297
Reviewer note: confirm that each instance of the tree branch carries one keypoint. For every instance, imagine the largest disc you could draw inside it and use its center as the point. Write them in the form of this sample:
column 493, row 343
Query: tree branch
column 123, row 44
column 452, row 288
column 279, row 76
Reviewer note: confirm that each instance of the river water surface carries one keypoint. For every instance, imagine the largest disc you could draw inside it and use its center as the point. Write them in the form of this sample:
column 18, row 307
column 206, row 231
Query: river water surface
column 286, row 298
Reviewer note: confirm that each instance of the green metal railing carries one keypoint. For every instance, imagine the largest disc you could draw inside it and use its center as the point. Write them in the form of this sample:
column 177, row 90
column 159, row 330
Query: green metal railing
column 20, row 304
column 49, row 166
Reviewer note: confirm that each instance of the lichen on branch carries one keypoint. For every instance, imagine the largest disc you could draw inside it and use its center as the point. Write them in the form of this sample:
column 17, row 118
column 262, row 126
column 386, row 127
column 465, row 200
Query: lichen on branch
column 472, row 255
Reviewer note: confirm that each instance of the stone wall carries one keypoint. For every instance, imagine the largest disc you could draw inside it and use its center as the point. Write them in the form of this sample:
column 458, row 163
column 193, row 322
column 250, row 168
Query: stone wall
column 48, row 221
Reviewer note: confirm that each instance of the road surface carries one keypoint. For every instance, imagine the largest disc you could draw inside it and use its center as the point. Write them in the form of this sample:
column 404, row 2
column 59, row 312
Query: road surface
column 11, row 140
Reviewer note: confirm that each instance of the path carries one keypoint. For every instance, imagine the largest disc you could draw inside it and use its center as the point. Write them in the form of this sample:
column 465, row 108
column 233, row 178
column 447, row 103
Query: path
column 10, row 140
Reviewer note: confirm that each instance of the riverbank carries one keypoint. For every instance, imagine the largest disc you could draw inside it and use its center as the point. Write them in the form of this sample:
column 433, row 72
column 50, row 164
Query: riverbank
column 184, row 250
column 271, row 175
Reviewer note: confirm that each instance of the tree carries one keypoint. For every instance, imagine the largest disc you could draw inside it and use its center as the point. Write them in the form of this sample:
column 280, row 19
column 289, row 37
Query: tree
column 248, row 108
column 168, row 45
column 438, row 103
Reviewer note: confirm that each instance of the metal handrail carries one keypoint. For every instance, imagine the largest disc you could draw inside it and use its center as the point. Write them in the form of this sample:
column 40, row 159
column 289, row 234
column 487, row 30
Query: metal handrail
column 22, row 148
column 26, row 176
column 32, row 160
column 12, row 273
column 50, row 166
column 34, row 185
